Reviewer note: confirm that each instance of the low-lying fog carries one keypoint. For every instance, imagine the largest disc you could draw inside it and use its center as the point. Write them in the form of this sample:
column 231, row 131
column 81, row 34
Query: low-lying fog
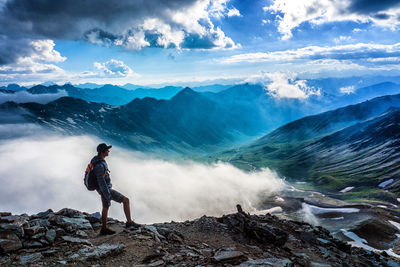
column 42, row 172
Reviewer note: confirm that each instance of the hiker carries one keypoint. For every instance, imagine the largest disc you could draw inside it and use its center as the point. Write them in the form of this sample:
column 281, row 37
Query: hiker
column 106, row 192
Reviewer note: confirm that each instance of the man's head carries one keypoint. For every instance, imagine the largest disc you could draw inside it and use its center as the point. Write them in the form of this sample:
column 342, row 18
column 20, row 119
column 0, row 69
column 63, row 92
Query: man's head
column 103, row 150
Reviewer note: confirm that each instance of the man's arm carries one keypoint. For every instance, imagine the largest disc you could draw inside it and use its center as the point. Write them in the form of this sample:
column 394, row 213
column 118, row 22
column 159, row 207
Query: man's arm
column 99, row 172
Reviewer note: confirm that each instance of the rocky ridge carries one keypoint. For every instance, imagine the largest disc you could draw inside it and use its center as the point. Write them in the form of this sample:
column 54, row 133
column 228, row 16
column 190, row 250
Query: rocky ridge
column 71, row 237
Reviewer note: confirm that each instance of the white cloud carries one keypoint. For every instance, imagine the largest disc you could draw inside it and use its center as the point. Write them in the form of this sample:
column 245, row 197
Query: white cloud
column 317, row 12
column 284, row 85
column 24, row 97
column 233, row 12
column 341, row 39
column 35, row 64
column 159, row 190
column 114, row 68
column 347, row 90
column 349, row 51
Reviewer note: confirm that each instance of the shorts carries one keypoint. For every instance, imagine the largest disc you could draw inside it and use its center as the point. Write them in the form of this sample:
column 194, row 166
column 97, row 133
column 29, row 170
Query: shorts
column 115, row 195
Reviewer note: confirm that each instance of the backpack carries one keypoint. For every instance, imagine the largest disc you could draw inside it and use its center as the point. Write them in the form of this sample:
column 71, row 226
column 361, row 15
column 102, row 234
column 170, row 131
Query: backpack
column 90, row 179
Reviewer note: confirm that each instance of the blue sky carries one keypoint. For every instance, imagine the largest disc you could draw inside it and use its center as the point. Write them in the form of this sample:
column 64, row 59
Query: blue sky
column 195, row 41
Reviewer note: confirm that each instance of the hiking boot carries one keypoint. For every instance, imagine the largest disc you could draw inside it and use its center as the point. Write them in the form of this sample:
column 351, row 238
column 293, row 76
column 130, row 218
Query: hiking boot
column 106, row 231
column 132, row 224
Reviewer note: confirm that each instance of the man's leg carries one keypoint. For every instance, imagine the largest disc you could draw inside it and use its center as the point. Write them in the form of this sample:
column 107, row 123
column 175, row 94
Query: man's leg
column 127, row 209
column 104, row 214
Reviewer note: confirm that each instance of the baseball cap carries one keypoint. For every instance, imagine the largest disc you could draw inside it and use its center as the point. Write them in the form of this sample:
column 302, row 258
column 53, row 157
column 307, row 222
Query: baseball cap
column 102, row 147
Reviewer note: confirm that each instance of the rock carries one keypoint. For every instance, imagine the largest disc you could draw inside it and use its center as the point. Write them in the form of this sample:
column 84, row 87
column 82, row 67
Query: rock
column 94, row 217
column 99, row 252
column 51, row 235
column 229, row 255
column 368, row 230
column 153, row 229
column 70, row 213
column 156, row 263
column 31, row 231
column 39, row 222
column 71, row 224
column 9, row 241
column 308, row 237
column 17, row 228
column 38, row 235
column 76, row 240
column 49, row 252
column 44, row 214
column 81, row 233
column 270, row 262
column 30, row 258
column 32, row 244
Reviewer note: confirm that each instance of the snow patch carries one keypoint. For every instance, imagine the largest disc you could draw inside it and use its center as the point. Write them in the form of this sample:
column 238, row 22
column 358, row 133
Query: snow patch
column 338, row 218
column 362, row 243
column 347, row 189
column 385, row 183
column 279, row 199
column 319, row 210
column 102, row 110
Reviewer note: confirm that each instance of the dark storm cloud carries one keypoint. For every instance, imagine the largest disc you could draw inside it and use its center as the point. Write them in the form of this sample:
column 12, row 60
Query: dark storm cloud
column 367, row 7
column 71, row 19
column 104, row 22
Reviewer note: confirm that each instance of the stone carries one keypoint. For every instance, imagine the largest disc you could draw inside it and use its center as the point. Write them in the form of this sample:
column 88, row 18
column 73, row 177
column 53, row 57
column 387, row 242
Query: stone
column 49, row 252
column 228, row 255
column 39, row 222
column 70, row 213
column 30, row 258
column 71, row 224
column 270, row 262
column 94, row 217
column 32, row 244
column 76, row 240
column 31, row 231
column 9, row 241
column 153, row 229
column 99, row 252
column 51, row 235
column 38, row 235
column 17, row 228
column 44, row 214
column 81, row 233
column 156, row 263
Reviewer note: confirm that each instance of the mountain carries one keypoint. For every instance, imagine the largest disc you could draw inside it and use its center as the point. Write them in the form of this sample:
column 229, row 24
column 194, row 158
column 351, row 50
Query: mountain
column 189, row 122
column 13, row 87
column 71, row 237
column 353, row 147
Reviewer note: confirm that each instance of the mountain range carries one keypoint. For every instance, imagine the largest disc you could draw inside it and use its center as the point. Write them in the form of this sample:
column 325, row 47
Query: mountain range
column 354, row 147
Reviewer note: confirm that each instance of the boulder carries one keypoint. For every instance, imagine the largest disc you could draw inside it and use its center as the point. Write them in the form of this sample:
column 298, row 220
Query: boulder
column 272, row 262
column 378, row 233
column 34, row 230
column 71, row 224
column 94, row 217
column 98, row 252
column 76, row 240
column 229, row 255
column 51, row 235
column 32, row 244
column 30, row 258
column 9, row 241
column 71, row 213
column 43, row 215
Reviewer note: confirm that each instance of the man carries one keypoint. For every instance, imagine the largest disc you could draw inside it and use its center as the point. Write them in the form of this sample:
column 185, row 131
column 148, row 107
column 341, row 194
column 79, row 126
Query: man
column 106, row 192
